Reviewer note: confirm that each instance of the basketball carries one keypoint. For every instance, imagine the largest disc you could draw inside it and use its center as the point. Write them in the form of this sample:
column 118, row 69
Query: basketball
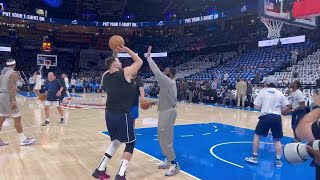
column 42, row 97
column 145, row 104
column 116, row 41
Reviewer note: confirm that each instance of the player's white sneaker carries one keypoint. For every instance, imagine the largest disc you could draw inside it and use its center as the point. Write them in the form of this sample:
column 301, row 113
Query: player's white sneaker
column 278, row 163
column 28, row 141
column 164, row 164
column 3, row 143
column 252, row 159
column 173, row 170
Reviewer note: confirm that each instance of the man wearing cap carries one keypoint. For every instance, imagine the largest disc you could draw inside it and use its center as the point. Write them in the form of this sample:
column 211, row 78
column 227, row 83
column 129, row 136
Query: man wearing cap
column 8, row 102
column 271, row 103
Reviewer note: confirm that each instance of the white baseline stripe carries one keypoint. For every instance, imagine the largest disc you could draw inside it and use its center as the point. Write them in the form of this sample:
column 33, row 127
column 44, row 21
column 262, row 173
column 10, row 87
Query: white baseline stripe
column 159, row 160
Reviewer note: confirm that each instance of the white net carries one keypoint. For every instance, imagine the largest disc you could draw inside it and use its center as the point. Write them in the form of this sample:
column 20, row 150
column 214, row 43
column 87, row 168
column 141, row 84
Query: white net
column 274, row 27
column 48, row 66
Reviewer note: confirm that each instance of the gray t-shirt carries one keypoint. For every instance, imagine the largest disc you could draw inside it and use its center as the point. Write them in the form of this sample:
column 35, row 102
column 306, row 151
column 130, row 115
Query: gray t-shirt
column 168, row 88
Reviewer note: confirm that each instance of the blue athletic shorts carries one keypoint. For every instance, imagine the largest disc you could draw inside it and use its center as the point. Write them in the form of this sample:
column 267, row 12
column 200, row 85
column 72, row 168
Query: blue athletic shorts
column 135, row 112
column 120, row 127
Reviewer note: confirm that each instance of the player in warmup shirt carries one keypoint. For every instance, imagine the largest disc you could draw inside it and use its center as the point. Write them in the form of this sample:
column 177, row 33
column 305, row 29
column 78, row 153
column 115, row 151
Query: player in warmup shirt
column 67, row 85
column 8, row 102
column 297, row 105
column 31, row 83
column 139, row 89
column 117, row 82
column 73, row 85
column 271, row 103
column 37, row 87
column 64, row 91
column 167, row 114
column 53, row 92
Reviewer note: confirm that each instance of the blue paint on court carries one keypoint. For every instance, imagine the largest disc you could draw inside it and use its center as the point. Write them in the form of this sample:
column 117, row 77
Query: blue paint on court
column 193, row 143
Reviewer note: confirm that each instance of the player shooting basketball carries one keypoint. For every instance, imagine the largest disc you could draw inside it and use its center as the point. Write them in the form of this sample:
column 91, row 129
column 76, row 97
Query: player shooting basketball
column 117, row 82
column 167, row 114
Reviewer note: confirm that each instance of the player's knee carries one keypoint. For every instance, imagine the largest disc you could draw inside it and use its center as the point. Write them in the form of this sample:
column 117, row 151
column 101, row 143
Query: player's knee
column 130, row 147
column 116, row 144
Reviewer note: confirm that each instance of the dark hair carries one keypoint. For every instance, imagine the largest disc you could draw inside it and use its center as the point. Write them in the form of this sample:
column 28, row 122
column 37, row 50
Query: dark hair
column 298, row 83
column 109, row 61
column 272, row 85
column 172, row 71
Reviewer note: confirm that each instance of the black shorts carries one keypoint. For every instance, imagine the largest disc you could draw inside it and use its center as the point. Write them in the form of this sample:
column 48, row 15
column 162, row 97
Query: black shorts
column 73, row 86
column 63, row 94
column 267, row 122
column 296, row 118
column 316, row 130
column 120, row 127
column 31, row 86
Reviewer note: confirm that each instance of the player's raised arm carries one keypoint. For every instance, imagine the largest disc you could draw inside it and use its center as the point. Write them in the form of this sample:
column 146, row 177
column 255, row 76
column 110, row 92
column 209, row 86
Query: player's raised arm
column 162, row 78
column 137, row 61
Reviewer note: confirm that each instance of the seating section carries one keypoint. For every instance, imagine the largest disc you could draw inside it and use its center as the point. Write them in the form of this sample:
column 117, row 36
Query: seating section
column 264, row 61
column 308, row 70
column 201, row 63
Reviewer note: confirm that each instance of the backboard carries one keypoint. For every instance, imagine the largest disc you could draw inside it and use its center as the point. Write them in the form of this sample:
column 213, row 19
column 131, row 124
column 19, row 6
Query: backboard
column 281, row 10
column 47, row 60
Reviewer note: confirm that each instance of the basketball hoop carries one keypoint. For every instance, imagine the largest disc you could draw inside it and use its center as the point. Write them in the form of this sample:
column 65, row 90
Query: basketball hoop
column 274, row 27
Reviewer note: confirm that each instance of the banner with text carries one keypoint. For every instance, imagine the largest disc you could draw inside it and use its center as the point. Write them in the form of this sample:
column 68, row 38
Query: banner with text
column 5, row 49
column 282, row 41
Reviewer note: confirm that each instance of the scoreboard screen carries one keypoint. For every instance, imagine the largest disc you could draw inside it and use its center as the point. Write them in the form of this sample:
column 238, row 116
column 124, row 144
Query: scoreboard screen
column 46, row 46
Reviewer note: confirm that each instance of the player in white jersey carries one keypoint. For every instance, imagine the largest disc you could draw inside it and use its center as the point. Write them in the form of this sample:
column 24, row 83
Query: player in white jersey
column 297, row 105
column 271, row 103
column 8, row 102
column 38, row 79
column 73, row 85
column 66, row 81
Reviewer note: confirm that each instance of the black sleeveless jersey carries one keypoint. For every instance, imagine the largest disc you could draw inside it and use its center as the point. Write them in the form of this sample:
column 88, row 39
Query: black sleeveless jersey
column 120, row 92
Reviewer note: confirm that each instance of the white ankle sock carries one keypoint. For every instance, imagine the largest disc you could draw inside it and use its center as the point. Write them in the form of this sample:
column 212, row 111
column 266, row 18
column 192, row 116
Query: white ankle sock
column 103, row 163
column 123, row 167
column 48, row 120
column 113, row 147
column 22, row 137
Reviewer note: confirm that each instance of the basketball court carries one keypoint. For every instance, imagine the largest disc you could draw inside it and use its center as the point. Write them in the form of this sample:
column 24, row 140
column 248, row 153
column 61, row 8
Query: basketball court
column 210, row 141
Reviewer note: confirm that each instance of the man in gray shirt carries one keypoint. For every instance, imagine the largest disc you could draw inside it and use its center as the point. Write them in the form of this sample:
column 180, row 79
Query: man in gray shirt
column 167, row 114
column 8, row 102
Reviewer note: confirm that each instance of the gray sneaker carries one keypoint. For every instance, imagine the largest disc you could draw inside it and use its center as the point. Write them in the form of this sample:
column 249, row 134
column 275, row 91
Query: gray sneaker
column 252, row 159
column 278, row 163
column 164, row 165
column 3, row 143
column 46, row 123
column 173, row 170
column 28, row 141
